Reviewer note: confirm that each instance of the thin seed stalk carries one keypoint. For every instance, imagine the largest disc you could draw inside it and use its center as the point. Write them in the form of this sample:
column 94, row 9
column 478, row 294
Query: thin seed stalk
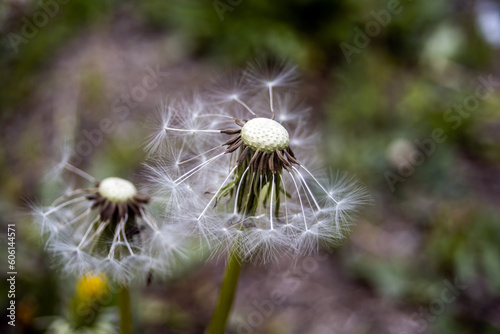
column 124, row 300
column 124, row 306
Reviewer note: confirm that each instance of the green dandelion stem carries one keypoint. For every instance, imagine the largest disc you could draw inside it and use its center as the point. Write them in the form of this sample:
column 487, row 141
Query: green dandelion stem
column 251, row 189
column 226, row 295
column 124, row 306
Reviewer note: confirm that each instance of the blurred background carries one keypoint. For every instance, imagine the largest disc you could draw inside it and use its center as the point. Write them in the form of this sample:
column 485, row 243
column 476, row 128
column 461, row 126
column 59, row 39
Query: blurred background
column 406, row 95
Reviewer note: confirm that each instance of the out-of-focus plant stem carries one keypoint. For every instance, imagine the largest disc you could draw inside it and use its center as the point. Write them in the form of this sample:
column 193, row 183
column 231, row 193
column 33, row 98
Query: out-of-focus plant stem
column 226, row 295
column 124, row 305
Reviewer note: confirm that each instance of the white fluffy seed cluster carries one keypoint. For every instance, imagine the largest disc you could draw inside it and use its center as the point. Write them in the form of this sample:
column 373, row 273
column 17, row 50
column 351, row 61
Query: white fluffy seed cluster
column 206, row 187
column 116, row 189
column 264, row 134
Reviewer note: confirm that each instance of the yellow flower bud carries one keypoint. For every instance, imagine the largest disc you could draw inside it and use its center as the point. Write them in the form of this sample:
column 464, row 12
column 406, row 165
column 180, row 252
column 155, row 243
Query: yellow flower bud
column 91, row 287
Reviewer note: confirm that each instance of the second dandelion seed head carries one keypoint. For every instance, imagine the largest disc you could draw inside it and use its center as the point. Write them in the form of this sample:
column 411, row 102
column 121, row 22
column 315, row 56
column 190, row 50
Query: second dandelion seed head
column 107, row 229
column 117, row 199
column 116, row 189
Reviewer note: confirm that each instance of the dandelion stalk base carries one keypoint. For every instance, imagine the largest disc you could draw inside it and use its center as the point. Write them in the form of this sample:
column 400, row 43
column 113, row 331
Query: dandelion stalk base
column 226, row 295
column 124, row 306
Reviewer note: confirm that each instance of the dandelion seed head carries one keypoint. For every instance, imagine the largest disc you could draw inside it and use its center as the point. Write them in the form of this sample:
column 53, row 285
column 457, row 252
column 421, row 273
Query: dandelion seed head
column 264, row 134
column 244, row 177
column 117, row 190
column 104, row 228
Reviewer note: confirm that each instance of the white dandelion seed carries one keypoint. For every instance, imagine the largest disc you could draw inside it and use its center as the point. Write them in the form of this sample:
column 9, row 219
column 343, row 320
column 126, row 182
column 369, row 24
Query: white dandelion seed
column 237, row 179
